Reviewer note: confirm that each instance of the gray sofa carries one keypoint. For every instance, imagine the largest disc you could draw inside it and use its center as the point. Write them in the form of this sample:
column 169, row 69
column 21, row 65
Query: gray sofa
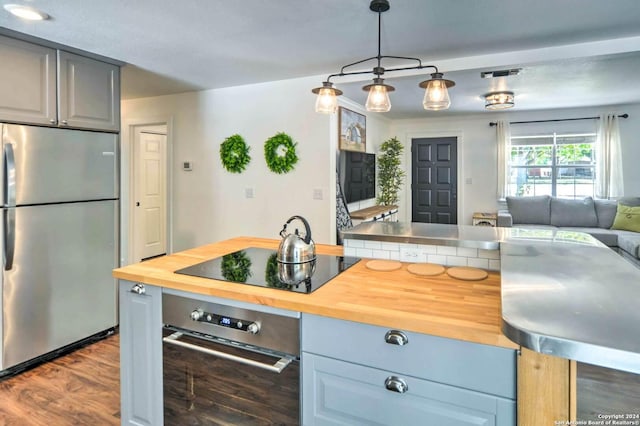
column 594, row 217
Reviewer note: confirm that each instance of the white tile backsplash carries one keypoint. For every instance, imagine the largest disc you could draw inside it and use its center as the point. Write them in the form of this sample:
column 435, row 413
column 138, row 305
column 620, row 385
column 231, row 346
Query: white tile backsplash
column 374, row 245
column 446, row 250
column 420, row 253
column 466, row 252
column 456, row 261
column 475, row 262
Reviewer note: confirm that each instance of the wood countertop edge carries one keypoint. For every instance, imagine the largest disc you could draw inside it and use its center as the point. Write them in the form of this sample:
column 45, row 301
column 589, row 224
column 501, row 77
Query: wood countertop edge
column 156, row 272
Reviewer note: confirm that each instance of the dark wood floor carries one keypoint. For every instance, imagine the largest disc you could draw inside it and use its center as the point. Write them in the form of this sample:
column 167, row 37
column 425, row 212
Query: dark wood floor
column 83, row 388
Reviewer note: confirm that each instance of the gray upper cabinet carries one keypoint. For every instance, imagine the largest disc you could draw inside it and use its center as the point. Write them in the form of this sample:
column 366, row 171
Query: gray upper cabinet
column 27, row 82
column 40, row 85
column 88, row 93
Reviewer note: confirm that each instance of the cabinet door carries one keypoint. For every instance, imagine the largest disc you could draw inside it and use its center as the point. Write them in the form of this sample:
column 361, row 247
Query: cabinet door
column 27, row 82
column 88, row 93
column 140, row 354
column 339, row 393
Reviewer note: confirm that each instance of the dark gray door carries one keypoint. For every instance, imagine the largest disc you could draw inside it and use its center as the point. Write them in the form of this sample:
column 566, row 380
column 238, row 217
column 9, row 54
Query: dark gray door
column 434, row 183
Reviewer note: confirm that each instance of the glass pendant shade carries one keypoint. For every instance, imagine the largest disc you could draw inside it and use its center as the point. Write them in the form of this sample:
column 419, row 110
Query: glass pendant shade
column 327, row 101
column 436, row 95
column 378, row 99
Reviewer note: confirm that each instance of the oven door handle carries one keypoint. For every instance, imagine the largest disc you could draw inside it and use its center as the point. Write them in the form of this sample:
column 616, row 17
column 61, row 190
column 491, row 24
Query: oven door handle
column 280, row 365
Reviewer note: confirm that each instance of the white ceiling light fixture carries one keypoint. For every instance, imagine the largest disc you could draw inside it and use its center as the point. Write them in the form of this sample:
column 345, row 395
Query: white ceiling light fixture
column 436, row 95
column 499, row 100
column 26, row 12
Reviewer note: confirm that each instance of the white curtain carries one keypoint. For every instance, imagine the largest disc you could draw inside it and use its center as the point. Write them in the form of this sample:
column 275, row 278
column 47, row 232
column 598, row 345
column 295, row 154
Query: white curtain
column 503, row 135
column 608, row 158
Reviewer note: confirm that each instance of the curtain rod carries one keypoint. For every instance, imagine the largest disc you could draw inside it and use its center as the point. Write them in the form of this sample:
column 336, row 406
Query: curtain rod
column 493, row 123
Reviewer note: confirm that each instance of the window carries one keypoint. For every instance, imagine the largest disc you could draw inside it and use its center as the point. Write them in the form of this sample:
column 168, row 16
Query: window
column 561, row 165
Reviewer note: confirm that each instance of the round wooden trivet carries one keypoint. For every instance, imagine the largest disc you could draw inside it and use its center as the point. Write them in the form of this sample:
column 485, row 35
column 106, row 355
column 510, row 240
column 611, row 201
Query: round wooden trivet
column 467, row 273
column 425, row 269
column 383, row 265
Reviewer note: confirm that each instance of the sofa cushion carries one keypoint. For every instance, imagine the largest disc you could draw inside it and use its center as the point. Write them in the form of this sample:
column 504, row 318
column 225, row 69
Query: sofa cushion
column 534, row 210
column 605, row 236
column 569, row 212
column 606, row 212
column 629, row 242
column 627, row 218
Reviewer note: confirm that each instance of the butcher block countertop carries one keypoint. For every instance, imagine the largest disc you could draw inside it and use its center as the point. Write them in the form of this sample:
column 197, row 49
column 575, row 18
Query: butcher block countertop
column 439, row 306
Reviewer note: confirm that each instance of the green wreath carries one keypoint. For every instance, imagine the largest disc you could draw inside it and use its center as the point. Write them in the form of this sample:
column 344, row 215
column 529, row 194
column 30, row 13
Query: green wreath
column 280, row 160
column 234, row 154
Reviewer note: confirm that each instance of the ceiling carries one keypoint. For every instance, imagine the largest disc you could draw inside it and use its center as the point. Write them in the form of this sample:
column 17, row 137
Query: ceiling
column 572, row 52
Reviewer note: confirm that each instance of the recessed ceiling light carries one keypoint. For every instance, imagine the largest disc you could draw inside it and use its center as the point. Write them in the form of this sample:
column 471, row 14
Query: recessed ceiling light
column 26, row 12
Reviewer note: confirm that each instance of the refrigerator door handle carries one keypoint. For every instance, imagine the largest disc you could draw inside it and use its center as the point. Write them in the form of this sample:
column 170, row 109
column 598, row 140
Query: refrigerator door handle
column 9, row 237
column 9, row 176
column 9, row 211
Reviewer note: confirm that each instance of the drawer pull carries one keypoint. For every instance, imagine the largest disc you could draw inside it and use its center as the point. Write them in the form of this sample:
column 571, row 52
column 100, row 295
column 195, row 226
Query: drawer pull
column 396, row 337
column 396, row 384
column 138, row 289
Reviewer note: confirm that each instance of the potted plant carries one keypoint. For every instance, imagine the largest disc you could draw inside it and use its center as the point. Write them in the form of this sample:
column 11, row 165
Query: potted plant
column 390, row 175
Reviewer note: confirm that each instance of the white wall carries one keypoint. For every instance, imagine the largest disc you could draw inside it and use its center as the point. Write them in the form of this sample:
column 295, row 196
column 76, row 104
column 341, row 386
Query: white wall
column 477, row 152
column 209, row 203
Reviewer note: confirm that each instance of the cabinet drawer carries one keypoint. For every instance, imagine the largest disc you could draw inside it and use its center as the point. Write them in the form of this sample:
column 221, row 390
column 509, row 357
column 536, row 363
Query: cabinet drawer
column 474, row 366
column 338, row 393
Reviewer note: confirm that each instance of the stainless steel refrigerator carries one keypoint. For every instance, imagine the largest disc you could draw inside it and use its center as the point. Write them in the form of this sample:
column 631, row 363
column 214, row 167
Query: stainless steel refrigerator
column 59, row 232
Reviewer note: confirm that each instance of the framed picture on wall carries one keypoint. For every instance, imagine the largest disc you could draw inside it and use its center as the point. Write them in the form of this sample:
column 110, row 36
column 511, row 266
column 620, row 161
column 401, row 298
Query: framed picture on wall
column 353, row 130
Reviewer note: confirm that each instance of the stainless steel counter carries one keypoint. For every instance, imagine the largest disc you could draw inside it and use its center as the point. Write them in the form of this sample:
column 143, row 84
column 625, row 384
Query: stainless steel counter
column 482, row 237
column 563, row 293
column 580, row 303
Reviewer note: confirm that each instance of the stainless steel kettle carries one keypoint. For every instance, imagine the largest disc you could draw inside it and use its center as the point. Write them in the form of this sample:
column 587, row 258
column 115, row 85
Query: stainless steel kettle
column 293, row 248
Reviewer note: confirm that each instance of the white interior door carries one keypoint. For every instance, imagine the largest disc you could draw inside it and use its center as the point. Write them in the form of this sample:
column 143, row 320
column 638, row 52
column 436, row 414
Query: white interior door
column 150, row 217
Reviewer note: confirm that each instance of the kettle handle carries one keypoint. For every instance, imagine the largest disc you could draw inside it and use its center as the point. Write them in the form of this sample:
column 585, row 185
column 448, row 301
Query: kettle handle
column 307, row 228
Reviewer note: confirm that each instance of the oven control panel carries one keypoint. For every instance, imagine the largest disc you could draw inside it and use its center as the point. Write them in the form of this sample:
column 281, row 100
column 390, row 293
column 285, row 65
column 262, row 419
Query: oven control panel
column 225, row 321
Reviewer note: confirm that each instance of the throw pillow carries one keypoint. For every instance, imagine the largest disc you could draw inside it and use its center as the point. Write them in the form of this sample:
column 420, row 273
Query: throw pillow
column 569, row 212
column 534, row 210
column 627, row 218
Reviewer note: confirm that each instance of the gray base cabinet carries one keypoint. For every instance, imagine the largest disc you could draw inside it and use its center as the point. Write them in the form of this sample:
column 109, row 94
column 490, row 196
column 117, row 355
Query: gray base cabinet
column 140, row 354
column 358, row 374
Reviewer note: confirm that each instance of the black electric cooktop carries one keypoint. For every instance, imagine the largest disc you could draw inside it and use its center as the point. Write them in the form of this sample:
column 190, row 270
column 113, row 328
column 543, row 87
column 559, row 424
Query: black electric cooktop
column 259, row 267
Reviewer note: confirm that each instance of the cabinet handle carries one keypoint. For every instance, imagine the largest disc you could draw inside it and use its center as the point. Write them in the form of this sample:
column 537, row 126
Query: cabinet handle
column 396, row 337
column 396, row 384
column 52, row 121
column 64, row 122
column 138, row 289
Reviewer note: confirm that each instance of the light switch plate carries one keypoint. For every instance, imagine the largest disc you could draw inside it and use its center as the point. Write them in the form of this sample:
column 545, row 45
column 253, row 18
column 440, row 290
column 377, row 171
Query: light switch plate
column 317, row 194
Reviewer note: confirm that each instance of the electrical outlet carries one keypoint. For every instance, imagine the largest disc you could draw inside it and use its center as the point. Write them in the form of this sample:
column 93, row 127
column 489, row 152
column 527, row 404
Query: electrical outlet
column 412, row 255
column 248, row 193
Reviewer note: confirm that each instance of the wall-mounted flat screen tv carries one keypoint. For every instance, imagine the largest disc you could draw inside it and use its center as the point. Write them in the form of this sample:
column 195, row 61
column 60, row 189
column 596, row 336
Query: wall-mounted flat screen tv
column 358, row 175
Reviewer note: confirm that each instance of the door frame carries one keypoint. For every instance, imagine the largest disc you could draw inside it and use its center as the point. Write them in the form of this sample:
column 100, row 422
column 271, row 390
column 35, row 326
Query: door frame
column 127, row 190
column 406, row 193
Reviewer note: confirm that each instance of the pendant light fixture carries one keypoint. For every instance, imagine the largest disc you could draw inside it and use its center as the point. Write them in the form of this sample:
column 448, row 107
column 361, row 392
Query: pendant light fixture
column 436, row 96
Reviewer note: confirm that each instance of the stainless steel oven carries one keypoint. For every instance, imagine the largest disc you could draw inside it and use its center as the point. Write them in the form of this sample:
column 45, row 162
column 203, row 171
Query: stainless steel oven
column 224, row 365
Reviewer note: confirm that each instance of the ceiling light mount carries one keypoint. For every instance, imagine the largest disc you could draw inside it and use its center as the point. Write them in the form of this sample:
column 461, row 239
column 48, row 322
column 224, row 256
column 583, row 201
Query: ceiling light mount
column 500, row 73
column 436, row 94
column 499, row 100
